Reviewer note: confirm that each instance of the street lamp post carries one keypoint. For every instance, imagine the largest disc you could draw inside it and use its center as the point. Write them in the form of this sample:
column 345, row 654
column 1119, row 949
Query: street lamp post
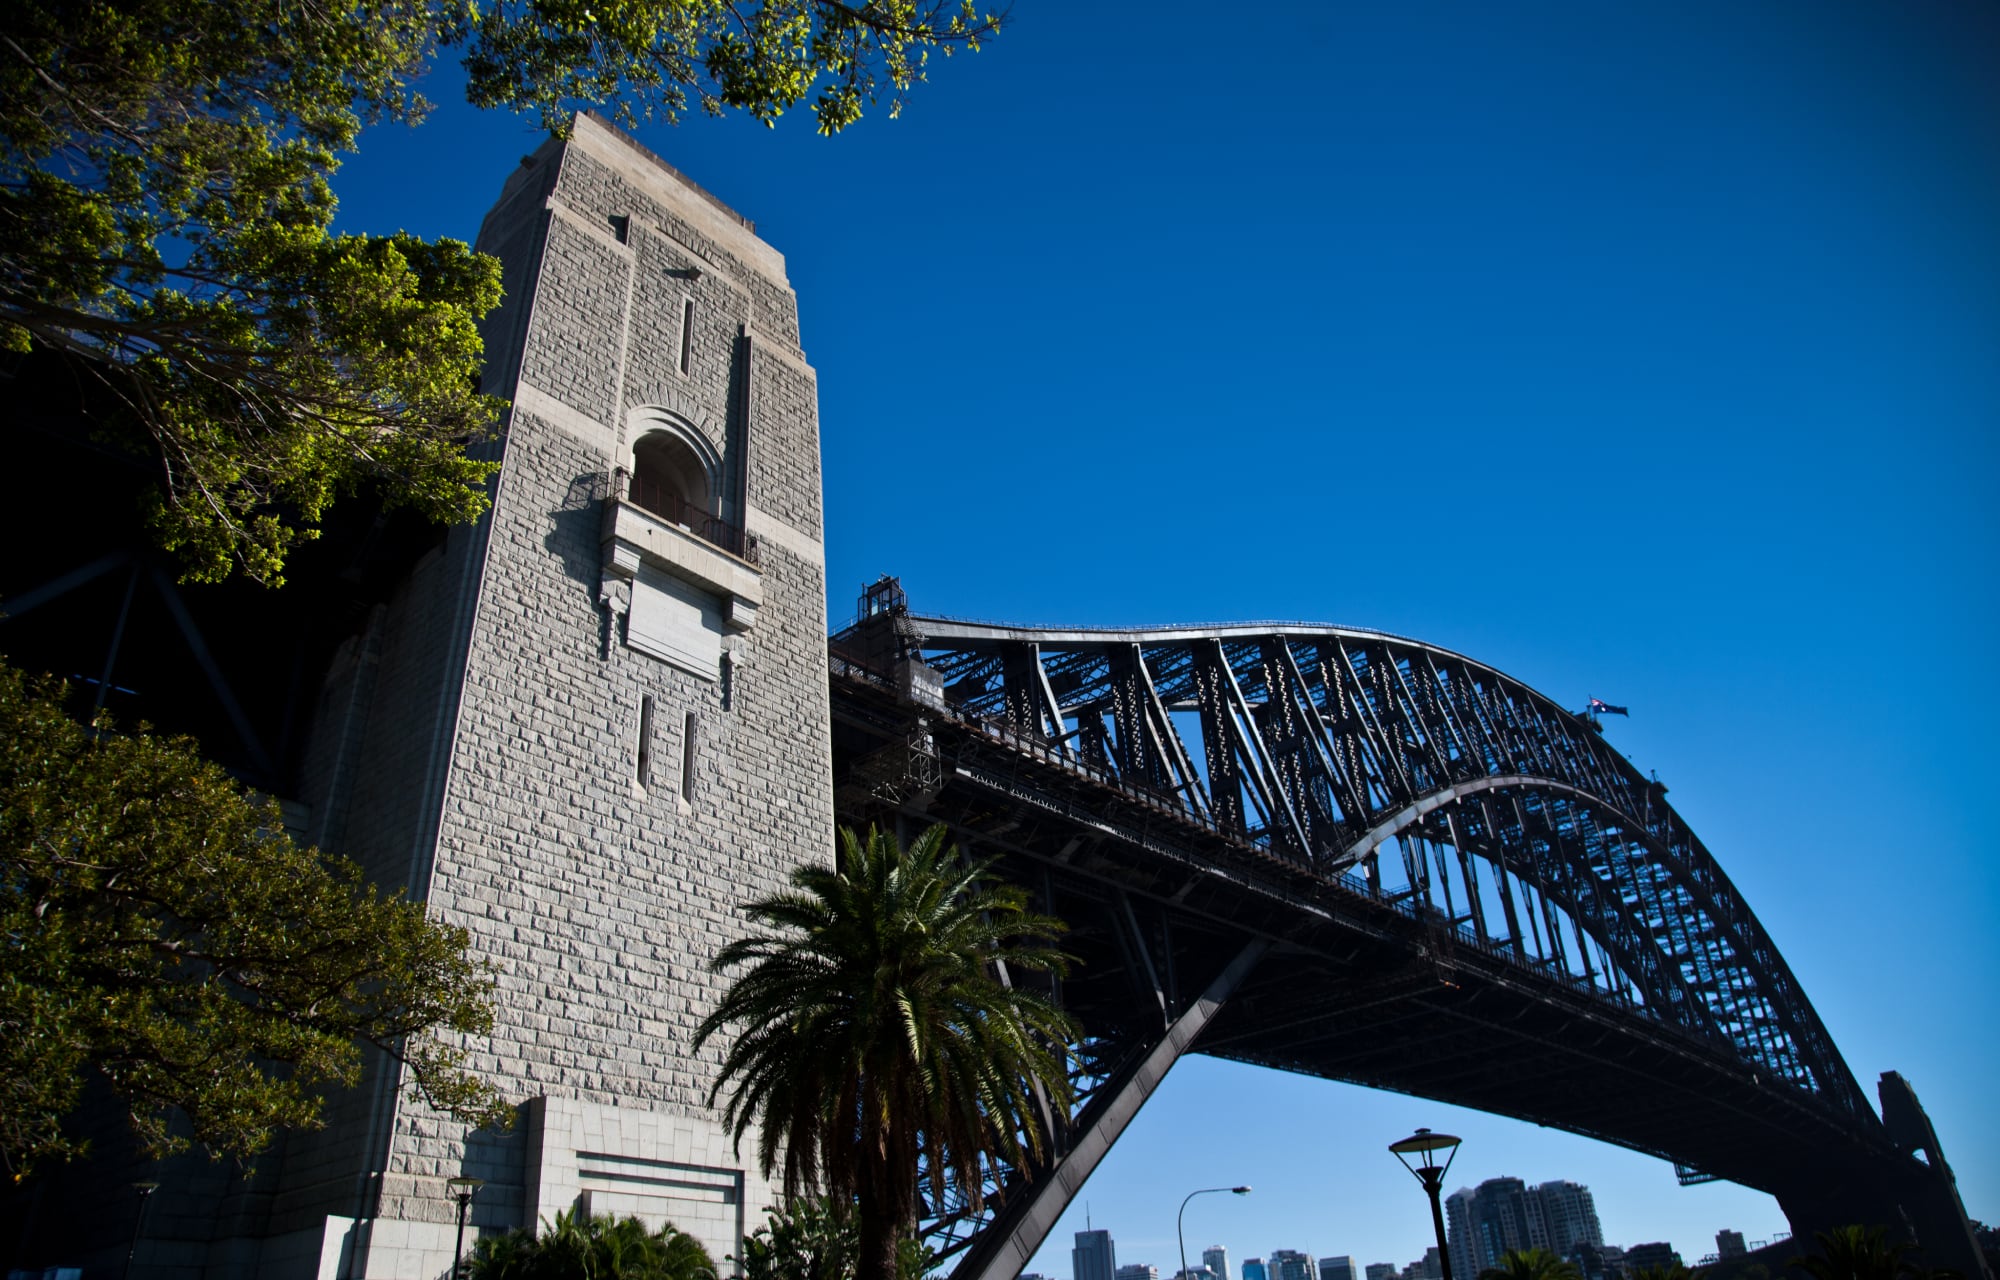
column 1425, row 1145
column 145, row 1190
column 461, row 1190
column 1180, row 1235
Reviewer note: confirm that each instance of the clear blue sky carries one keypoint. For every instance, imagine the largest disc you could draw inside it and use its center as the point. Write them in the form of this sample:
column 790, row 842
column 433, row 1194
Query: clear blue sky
column 1649, row 352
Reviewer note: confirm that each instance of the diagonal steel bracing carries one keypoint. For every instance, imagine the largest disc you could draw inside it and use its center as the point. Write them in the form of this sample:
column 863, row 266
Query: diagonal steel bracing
column 1031, row 1209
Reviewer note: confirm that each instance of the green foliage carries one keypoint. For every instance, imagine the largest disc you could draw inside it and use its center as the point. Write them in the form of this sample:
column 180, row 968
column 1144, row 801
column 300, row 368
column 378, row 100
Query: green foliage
column 875, row 1033
column 159, row 928
column 656, row 56
column 165, row 215
column 1856, row 1252
column 814, row 1238
column 166, row 210
column 1531, row 1264
column 576, row 1247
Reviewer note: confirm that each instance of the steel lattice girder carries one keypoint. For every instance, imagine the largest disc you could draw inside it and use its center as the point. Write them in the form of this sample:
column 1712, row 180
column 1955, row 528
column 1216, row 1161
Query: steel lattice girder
column 1328, row 746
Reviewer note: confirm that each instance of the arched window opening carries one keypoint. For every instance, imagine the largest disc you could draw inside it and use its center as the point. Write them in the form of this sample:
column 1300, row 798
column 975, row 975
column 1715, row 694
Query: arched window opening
column 670, row 480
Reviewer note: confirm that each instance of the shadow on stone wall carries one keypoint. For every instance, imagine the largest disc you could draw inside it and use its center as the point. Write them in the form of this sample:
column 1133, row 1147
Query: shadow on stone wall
column 574, row 535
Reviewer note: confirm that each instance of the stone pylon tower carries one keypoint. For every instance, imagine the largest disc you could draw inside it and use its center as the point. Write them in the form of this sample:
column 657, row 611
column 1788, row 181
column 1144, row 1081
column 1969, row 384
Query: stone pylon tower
column 586, row 731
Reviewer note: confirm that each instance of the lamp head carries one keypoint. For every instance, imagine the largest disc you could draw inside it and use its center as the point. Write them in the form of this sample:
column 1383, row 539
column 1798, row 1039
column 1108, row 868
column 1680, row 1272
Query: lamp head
column 464, row 1187
column 1241, row 1191
column 1425, row 1145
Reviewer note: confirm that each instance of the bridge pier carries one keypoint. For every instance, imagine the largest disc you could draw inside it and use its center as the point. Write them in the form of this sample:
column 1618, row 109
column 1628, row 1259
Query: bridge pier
column 1916, row 1199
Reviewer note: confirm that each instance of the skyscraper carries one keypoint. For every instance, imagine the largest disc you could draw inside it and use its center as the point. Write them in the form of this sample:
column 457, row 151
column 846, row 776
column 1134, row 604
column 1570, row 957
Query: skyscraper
column 1339, row 1266
column 1216, row 1259
column 1138, row 1271
column 1569, row 1216
column 1381, row 1271
column 1290, row 1264
column 1094, row 1257
column 1254, row 1269
column 1486, row 1224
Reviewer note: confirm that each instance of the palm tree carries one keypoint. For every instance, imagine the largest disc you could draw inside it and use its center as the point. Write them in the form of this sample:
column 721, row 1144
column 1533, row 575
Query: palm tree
column 1531, row 1264
column 875, row 1032
column 1861, row 1253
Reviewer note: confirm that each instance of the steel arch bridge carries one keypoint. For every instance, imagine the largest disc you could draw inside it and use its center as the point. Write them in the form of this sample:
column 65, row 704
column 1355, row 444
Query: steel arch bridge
column 1360, row 856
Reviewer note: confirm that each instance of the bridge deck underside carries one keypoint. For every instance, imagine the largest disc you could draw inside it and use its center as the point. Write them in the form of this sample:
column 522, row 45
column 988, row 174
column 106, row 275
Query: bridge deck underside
column 1355, row 989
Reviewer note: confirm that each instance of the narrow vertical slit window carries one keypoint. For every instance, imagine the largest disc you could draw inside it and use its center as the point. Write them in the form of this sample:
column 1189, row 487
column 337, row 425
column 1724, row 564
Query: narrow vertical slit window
column 689, row 745
column 687, row 334
column 644, row 772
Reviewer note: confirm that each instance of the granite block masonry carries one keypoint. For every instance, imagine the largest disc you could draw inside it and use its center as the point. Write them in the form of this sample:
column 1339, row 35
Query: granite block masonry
column 586, row 730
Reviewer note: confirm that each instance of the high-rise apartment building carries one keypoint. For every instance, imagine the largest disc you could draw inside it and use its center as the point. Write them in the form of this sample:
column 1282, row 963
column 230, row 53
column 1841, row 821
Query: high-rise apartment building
column 1569, row 1216
column 1094, row 1257
column 1290, row 1264
column 1485, row 1224
column 1458, row 1231
column 1729, row 1244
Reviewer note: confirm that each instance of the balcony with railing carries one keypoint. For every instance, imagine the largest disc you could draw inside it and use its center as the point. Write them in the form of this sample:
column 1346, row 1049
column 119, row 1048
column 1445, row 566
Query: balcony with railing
column 651, row 496
column 650, row 528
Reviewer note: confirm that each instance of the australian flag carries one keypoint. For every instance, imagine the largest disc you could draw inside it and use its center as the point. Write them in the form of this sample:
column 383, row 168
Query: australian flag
column 1599, row 707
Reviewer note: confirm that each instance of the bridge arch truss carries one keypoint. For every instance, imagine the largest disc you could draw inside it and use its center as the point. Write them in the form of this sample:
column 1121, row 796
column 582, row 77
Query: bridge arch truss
column 1434, row 780
column 1355, row 855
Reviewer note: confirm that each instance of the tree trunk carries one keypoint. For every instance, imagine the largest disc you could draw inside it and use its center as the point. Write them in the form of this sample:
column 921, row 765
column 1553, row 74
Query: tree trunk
column 881, row 1230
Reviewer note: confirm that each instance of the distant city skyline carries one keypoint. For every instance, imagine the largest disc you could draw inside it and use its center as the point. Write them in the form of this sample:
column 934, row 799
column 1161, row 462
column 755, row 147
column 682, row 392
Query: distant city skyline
column 1484, row 1221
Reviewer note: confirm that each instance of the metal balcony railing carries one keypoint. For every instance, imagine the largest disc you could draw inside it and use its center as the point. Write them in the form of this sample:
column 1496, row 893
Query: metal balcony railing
column 650, row 495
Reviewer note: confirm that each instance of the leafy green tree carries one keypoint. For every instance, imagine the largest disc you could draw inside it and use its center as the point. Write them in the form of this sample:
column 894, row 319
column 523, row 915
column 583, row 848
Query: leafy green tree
column 166, row 206
column 580, row 1247
column 875, row 1034
column 815, row 1238
column 656, row 57
column 165, row 221
column 159, row 929
column 1531, row 1264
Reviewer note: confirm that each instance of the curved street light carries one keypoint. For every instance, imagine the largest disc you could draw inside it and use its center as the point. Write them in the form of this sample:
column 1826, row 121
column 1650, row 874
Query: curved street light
column 1425, row 1145
column 145, row 1190
column 1180, row 1235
